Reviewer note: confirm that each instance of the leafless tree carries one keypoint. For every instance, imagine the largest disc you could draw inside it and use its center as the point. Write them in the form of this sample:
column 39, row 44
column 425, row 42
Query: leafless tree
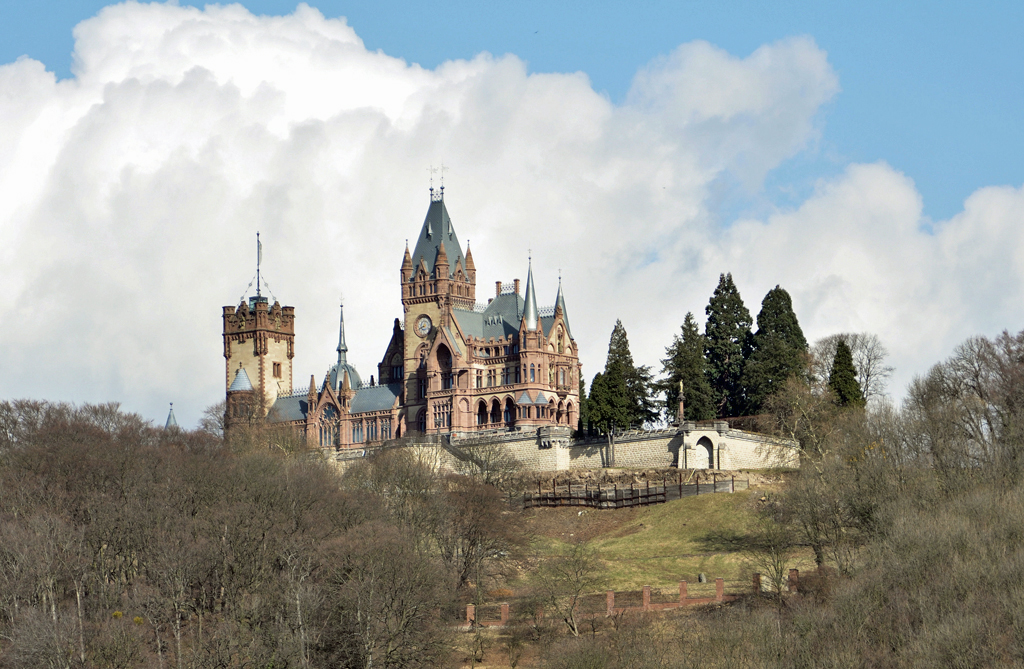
column 869, row 356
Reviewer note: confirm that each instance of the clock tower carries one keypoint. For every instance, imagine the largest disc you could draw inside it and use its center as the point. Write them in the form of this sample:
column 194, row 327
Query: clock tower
column 436, row 277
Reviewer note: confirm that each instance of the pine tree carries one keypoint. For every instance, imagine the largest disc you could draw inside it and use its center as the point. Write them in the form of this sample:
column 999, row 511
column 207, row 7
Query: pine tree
column 621, row 396
column 685, row 365
column 843, row 378
column 727, row 343
column 779, row 349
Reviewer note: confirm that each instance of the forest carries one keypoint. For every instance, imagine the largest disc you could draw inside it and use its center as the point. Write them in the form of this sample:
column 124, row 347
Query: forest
column 124, row 545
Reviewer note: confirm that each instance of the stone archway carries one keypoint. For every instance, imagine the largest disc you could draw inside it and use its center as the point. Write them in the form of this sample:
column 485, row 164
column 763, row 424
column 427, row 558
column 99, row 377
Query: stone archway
column 705, row 454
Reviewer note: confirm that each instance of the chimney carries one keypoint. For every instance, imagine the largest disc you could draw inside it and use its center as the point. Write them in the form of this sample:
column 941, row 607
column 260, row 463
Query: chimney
column 497, row 288
column 517, row 286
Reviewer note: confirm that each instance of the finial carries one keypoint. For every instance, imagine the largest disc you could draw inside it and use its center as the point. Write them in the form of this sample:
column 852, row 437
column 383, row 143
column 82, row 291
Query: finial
column 431, row 170
column 443, row 170
column 259, row 259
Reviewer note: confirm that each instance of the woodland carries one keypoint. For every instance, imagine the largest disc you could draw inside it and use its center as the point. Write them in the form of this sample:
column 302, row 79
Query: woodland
column 125, row 545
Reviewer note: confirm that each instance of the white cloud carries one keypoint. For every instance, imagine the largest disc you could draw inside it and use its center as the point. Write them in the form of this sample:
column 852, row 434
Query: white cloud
column 130, row 195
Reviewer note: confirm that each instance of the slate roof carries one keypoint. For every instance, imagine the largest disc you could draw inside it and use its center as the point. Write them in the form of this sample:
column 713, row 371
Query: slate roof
column 376, row 398
column 288, row 408
column 500, row 319
column 437, row 228
column 241, row 381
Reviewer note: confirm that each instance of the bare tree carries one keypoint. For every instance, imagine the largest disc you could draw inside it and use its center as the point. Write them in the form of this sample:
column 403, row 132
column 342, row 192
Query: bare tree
column 564, row 579
column 869, row 356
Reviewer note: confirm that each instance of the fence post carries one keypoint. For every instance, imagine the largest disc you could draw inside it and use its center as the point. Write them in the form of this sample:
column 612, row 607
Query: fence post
column 757, row 583
column 504, row 613
column 647, row 597
column 733, row 484
column 682, row 593
column 609, row 599
column 719, row 589
column 470, row 614
column 794, row 579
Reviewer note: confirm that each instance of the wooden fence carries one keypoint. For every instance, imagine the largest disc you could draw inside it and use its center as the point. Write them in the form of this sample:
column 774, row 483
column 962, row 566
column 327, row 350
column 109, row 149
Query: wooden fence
column 614, row 496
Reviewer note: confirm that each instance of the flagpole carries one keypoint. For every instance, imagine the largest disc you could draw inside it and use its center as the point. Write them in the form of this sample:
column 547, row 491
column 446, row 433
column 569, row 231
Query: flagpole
column 259, row 258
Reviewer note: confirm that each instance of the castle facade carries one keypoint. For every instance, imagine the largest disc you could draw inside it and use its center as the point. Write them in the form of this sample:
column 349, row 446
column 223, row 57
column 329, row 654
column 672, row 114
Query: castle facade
column 453, row 365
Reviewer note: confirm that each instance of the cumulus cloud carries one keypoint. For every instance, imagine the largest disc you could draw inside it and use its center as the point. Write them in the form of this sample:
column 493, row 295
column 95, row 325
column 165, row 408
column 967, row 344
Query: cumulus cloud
column 130, row 195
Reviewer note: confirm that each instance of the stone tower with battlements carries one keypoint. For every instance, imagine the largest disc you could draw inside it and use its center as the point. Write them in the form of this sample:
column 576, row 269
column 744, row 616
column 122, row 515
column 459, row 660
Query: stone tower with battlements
column 259, row 344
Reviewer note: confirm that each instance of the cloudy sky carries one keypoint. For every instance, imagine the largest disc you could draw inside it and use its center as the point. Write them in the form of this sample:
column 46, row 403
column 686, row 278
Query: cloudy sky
column 867, row 160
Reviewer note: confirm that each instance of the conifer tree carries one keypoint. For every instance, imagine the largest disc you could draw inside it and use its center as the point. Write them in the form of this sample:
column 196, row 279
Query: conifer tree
column 685, row 365
column 843, row 379
column 779, row 349
column 727, row 342
column 621, row 396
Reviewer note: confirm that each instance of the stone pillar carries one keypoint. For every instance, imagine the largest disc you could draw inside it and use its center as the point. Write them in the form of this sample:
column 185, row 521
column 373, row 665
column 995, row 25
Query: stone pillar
column 470, row 614
column 794, row 579
column 757, row 583
column 610, row 602
column 682, row 593
column 647, row 597
column 719, row 589
column 504, row 613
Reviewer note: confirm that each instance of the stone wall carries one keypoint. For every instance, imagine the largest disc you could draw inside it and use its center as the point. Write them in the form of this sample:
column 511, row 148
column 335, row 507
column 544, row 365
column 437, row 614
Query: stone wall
column 551, row 449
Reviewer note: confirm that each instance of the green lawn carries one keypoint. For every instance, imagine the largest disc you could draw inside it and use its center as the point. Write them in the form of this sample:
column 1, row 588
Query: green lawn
column 663, row 544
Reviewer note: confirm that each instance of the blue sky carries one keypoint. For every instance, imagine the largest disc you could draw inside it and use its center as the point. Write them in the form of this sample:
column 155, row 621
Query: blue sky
column 936, row 89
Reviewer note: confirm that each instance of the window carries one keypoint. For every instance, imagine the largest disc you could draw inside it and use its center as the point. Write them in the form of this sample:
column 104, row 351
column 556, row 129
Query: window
column 277, row 370
column 446, row 380
column 423, row 388
column 533, row 375
column 396, row 373
column 357, row 432
column 517, row 374
column 506, row 350
column 385, row 428
column 561, row 377
column 479, row 379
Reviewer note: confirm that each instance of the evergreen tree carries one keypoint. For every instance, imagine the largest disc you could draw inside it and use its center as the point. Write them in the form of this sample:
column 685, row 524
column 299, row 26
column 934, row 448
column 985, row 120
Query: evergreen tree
column 584, row 412
column 843, row 379
column 621, row 396
column 727, row 342
column 779, row 350
column 685, row 365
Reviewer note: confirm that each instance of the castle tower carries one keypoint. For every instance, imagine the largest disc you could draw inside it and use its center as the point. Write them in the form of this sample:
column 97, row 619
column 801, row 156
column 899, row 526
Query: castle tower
column 259, row 344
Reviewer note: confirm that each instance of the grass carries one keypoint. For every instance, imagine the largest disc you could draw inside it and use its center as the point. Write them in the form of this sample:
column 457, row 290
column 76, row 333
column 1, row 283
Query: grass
column 662, row 544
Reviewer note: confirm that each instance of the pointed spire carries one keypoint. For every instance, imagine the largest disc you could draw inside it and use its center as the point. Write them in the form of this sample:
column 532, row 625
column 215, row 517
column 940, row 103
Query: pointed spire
column 530, row 311
column 442, row 257
column 342, row 348
column 346, row 384
column 312, row 386
column 560, row 304
column 172, row 422
column 407, row 260
column 469, row 258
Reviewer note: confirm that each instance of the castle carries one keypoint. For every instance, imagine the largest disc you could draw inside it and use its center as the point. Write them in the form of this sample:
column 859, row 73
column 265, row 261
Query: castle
column 453, row 366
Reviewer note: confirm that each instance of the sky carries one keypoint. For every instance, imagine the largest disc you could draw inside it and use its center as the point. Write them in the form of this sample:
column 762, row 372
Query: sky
column 864, row 157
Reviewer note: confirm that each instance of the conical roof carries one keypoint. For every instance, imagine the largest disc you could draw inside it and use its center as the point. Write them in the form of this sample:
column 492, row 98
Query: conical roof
column 172, row 422
column 241, row 381
column 437, row 229
column 530, row 312
column 560, row 302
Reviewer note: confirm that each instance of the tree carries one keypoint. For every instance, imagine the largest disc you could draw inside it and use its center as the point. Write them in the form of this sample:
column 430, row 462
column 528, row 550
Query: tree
column 869, row 356
column 843, row 378
column 779, row 348
column 564, row 579
column 727, row 342
column 685, row 370
column 621, row 396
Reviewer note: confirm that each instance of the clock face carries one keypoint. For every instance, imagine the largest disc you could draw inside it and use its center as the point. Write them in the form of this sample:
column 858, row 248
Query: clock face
column 423, row 325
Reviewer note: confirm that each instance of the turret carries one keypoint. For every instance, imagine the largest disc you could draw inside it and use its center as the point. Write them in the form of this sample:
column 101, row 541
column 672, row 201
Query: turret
column 531, row 315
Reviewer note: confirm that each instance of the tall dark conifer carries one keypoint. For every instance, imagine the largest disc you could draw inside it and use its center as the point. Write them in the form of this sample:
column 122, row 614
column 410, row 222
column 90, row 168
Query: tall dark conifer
column 779, row 349
column 727, row 343
column 843, row 379
column 685, row 365
column 621, row 396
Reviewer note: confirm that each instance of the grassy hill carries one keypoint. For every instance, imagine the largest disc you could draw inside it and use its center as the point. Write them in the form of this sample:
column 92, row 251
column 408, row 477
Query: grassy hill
column 662, row 544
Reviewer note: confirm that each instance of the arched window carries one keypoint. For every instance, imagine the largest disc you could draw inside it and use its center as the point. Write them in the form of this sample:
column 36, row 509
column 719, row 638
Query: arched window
column 421, row 421
column 533, row 375
column 444, row 361
column 481, row 414
column 495, row 412
column 510, row 411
